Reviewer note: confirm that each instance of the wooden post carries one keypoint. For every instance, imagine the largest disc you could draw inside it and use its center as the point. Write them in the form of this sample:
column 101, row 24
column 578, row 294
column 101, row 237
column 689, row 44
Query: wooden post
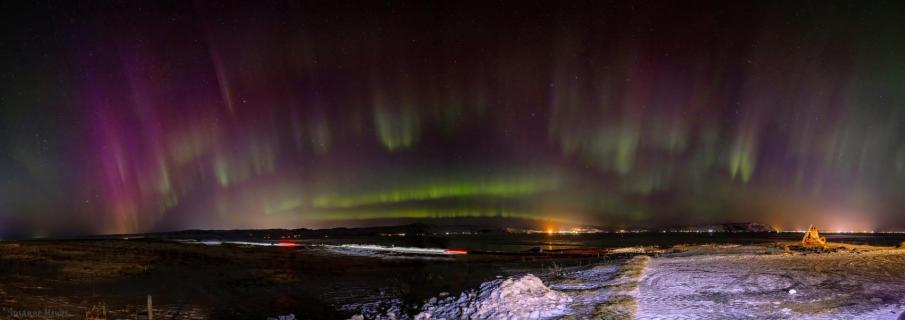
column 150, row 308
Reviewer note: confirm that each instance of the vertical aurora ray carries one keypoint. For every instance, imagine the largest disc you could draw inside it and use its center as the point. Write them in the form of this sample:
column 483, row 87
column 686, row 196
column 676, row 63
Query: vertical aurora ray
column 396, row 128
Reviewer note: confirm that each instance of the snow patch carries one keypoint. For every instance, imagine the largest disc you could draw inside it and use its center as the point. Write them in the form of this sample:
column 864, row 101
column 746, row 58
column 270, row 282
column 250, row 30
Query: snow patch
column 389, row 309
column 240, row 243
column 524, row 297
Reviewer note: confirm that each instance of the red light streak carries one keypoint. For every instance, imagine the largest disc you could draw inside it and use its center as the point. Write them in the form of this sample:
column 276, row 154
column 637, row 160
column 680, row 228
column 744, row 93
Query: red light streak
column 457, row 251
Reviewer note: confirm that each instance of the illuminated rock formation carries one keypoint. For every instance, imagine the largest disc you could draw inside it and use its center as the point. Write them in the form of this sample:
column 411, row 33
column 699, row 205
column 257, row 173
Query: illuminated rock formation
column 813, row 238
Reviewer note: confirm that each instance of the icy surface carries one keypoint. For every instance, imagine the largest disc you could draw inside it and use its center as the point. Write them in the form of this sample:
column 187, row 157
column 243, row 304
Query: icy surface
column 741, row 282
column 365, row 250
column 524, row 297
column 241, row 243
column 868, row 285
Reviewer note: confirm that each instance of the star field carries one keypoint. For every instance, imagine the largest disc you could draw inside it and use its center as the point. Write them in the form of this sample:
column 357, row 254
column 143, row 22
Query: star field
column 142, row 116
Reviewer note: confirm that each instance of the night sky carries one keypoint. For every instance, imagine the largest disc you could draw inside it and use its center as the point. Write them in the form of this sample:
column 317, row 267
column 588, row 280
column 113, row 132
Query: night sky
column 136, row 116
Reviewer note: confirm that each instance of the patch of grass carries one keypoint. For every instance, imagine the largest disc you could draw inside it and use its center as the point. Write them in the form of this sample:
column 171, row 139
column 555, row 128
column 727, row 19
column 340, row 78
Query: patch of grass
column 567, row 280
column 623, row 287
column 634, row 268
column 816, row 307
column 618, row 307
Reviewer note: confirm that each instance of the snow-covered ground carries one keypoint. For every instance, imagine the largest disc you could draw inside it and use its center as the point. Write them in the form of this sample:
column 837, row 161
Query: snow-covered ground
column 868, row 285
column 702, row 282
column 524, row 297
column 513, row 298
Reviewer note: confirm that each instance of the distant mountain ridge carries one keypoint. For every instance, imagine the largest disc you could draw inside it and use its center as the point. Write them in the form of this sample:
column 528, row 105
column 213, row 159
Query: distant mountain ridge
column 304, row 233
column 722, row 227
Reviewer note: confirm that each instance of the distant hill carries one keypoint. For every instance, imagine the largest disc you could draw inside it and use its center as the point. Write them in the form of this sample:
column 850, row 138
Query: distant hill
column 723, row 227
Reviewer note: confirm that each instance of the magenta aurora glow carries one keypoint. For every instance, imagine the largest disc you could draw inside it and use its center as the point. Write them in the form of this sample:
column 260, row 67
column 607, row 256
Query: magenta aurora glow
column 132, row 117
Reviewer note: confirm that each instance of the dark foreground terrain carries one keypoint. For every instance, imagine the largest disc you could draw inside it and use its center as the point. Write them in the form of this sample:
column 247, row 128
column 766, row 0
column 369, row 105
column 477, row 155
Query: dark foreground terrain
column 66, row 279
column 761, row 278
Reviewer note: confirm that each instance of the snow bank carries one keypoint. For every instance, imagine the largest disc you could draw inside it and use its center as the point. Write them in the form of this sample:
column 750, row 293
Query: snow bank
column 758, row 286
column 524, row 297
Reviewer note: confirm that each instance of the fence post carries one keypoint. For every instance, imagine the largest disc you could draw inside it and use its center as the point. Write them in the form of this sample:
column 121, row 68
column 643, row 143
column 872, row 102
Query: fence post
column 150, row 308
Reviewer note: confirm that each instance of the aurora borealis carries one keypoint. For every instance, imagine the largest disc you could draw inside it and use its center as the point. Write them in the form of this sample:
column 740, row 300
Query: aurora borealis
column 144, row 116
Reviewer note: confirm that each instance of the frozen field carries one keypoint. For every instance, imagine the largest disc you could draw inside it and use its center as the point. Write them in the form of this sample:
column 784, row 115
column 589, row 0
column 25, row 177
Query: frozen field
column 709, row 282
column 737, row 282
column 869, row 285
